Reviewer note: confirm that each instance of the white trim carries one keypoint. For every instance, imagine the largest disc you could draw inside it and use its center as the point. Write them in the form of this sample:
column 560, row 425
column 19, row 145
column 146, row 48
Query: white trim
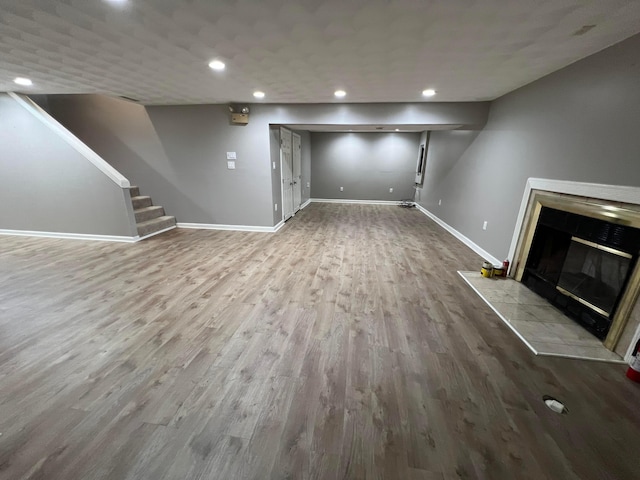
column 469, row 243
column 613, row 193
column 278, row 226
column 156, row 233
column 236, row 228
column 71, row 139
column 282, row 129
column 70, row 236
column 362, row 202
column 542, row 354
column 299, row 177
column 636, row 337
column 305, row 204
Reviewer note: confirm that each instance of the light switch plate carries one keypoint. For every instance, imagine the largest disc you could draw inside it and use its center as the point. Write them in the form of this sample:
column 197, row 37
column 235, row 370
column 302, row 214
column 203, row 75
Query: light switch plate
column 231, row 165
column 231, row 155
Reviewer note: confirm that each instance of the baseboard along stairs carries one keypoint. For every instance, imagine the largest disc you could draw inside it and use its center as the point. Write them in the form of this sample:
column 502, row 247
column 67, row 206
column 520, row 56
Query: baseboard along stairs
column 150, row 218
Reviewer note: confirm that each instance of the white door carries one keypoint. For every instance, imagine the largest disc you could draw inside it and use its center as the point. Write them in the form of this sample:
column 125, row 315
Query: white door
column 286, row 168
column 297, row 174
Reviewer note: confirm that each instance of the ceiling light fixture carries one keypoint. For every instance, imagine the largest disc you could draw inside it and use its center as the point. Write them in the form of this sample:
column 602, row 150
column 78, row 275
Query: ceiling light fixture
column 217, row 65
column 258, row 94
column 429, row 92
column 23, row 81
column 340, row 93
column 397, row 129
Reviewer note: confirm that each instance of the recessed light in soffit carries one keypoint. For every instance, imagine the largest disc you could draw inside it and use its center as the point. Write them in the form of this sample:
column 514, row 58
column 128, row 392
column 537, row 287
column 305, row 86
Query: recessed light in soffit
column 25, row 82
column 217, row 65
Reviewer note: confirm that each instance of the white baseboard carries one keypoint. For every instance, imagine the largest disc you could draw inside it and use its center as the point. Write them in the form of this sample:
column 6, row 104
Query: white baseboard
column 70, row 236
column 280, row 225
column 468, row 242
column 236, row 228
column 305, row 204
column 362, row 202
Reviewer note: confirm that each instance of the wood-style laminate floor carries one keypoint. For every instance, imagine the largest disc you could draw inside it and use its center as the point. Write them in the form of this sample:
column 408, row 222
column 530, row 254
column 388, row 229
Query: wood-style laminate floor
column 343, row 347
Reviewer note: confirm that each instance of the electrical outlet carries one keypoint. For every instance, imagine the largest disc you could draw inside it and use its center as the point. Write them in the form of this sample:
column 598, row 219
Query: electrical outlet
column 484, row 225
column 276, row 205
column 440, row 202
column 342, row 189
column 308, row 184
column 391, row 190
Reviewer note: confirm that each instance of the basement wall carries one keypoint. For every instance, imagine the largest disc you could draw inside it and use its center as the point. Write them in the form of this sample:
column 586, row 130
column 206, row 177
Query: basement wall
column 49, row 187
column 580, row 124
column 177, row 154
column 366, row 165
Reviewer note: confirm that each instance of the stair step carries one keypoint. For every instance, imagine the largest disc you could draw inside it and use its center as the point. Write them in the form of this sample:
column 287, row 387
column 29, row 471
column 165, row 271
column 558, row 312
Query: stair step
column 140, row 201
column 148, row 213
column 155, row 225
column 134, row 191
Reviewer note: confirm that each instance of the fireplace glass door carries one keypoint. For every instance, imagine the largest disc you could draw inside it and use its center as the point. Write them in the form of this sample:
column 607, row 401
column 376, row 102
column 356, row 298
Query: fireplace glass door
column 594, row 274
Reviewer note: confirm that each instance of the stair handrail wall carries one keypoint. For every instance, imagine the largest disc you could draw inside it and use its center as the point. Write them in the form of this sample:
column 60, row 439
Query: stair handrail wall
column 71, row 139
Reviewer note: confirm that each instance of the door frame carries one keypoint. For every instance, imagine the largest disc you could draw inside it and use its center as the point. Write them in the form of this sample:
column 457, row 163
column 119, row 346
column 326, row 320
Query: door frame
column 297, row 181
column 288, row 132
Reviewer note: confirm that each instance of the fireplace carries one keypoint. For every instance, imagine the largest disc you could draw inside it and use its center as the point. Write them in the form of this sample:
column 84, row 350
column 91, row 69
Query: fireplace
column 578, row 246
column 581, row 265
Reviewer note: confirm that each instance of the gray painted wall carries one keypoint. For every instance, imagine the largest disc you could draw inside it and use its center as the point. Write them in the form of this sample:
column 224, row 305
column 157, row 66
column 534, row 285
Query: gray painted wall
column 177, row 154
column 467, row 114
column 47, row 186
column 365, row 164
column 580, row 123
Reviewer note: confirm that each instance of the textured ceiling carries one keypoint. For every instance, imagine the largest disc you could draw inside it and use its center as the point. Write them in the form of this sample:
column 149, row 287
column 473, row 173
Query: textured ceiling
column 157, row 51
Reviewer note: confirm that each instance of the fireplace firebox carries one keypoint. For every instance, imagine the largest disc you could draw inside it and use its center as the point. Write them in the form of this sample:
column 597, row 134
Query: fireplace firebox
column 581, row 265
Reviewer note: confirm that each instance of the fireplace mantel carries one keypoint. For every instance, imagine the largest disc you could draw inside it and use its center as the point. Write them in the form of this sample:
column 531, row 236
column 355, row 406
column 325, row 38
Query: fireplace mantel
column 587, row 199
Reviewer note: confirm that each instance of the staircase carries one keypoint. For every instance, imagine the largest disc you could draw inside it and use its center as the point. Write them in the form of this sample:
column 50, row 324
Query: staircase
column 150, row 219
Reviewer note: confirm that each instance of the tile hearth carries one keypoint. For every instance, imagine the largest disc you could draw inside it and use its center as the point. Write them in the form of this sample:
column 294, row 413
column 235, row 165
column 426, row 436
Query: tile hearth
column 541, row 326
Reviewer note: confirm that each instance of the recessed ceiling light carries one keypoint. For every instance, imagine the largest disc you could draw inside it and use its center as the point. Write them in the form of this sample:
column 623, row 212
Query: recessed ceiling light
column 429, row 92
column 258, row 94
column 217, row 65
column 23, row 81
column 397, row 129
column 340, row 93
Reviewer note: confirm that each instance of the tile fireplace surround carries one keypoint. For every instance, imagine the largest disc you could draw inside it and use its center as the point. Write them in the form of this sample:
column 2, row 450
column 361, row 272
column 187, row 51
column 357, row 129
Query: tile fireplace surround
column 608, row 202
column 541, row 326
